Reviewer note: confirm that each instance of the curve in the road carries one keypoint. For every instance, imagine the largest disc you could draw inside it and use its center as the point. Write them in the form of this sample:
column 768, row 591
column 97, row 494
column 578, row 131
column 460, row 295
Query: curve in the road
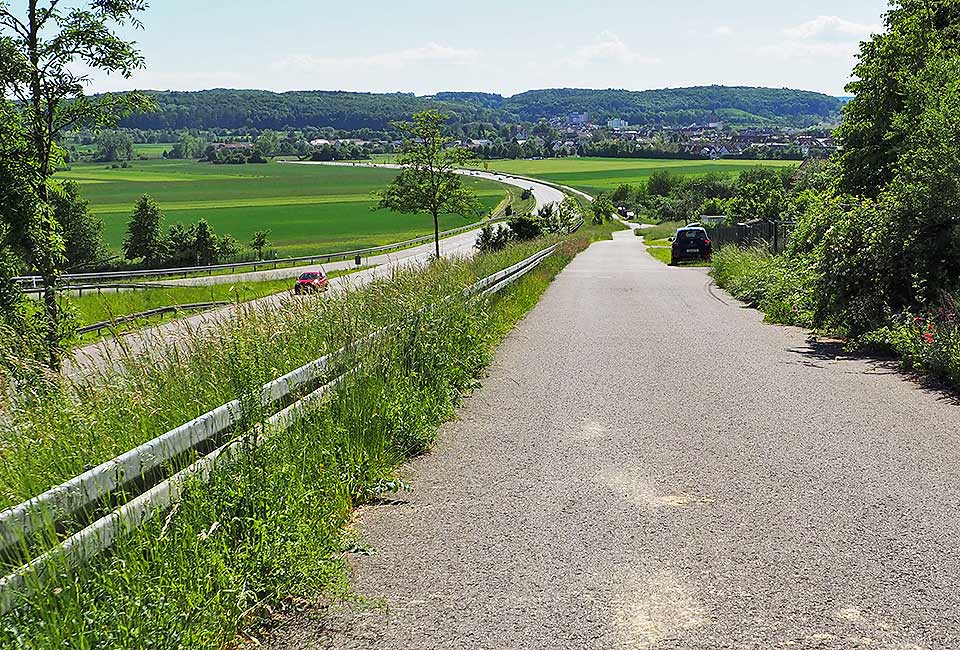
column 156, row 339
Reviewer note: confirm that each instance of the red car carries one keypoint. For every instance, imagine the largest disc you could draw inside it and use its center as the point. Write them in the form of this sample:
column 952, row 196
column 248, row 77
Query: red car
column 311, row 282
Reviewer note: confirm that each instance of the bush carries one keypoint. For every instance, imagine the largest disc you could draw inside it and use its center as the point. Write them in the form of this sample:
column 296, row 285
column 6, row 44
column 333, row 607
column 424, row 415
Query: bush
column 782, row 288
column 492, row 239
column 525, row 228
column 928, row 343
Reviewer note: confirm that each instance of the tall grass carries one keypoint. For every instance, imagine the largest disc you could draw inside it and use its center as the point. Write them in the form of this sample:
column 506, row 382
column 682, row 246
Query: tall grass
column 271, row 526
column 927, row 342
column 93, row 307
column 773, row 283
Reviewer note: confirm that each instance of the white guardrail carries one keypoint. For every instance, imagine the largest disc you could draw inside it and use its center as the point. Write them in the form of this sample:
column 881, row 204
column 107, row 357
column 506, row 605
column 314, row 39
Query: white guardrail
column 22, row 524
column 32, row 283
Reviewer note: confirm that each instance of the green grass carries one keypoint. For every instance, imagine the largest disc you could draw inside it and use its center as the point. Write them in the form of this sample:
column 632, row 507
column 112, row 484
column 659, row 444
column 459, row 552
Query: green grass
column 659, row 243
column 661, row 231
column 153, row 151
column 274, row 526
column 596, row 175
column 308, row 208
column 93, row 308
column 661, row 254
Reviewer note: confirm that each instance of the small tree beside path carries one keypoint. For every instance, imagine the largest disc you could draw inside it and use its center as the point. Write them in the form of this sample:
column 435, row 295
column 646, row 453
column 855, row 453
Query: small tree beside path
column 429, row 182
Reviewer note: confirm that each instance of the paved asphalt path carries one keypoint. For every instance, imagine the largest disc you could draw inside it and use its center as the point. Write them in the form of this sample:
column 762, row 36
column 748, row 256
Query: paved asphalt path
column 648, row 465
column 157, row 339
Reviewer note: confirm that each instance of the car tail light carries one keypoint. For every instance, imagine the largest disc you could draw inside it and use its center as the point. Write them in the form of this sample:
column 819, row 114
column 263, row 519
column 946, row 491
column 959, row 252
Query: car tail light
column 707, row 242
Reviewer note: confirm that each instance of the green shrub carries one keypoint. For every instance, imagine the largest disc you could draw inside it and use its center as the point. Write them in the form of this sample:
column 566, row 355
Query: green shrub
column 779, row 286
column 928, row 343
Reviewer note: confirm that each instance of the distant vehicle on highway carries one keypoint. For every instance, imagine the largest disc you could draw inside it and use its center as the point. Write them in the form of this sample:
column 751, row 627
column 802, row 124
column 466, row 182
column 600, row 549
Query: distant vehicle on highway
column 311, row 282
column 690, row 244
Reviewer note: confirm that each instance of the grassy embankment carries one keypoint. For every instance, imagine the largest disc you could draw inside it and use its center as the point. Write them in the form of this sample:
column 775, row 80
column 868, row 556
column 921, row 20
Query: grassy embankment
column 927, row 343
column 93, row 308
column 273, row 526
column 309, row 209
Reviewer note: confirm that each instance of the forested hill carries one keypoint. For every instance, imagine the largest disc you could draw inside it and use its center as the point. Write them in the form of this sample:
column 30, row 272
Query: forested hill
column 680, row 106
column 210, row 109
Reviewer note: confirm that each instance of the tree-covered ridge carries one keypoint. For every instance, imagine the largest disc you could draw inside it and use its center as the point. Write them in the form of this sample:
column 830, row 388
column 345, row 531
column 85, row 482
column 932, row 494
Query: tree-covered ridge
column 678, row 106
column 261, row 109
column 230, row 109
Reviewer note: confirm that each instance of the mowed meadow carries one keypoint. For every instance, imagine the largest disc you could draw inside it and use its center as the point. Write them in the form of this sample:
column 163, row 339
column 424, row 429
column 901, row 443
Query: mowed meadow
column 307, row 208
column 603, row 175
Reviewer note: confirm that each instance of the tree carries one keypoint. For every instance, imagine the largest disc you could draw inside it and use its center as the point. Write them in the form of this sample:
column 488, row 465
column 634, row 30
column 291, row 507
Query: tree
column 569, row 213
column 179, row 247
column 82, row 231
column 428, row 182
column 492, row 239
column 17, row 207
column 261, row 239
column 144, row 235
column 714, row 208
column 205, row 243
column 602, row 209
column 227, row 247
column 45, row 51
column 880, row 119
column 758, row 194
column 622, row 194
column 113, row 146
column 187, row 147
column 661, row 183
column 268, row 144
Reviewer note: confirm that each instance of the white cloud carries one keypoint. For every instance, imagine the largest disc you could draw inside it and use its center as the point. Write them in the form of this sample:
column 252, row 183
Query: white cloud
column 723, row 30
column 830, row 37
column 431, row 53
column 608, row 47
column 830, row 28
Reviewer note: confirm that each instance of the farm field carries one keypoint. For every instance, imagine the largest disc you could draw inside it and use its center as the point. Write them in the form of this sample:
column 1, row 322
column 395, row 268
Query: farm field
column 595, row 175
column 152, row 150
column 308, row 208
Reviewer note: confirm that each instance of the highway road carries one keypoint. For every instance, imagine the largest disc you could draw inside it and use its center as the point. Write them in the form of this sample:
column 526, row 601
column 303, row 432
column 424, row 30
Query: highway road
column 544, row 195
column 650, row 466
column 156, row 340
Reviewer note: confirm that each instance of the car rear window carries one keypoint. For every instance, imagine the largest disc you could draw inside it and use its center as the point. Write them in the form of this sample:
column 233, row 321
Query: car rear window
column 691, row 234
column 309, row 276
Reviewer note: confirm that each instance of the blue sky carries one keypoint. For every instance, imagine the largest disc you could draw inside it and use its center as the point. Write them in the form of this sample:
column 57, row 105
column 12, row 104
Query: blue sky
column 499, row 45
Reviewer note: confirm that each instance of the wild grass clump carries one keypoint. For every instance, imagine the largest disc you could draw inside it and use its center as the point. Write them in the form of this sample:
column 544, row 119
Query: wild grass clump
column 773, row 283
column 273, row 525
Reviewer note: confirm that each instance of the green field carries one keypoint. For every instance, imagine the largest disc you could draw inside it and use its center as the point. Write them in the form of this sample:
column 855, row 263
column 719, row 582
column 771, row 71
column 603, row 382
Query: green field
column 152, row 150
column 596, row 175
column 149, row 150
column 308, row 208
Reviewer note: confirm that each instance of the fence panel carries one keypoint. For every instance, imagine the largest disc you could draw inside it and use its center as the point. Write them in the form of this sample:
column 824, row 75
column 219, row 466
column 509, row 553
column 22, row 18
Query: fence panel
column 773, row 234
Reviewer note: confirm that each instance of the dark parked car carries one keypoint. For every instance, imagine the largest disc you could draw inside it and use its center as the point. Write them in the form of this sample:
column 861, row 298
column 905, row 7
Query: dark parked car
column 311, row 282
column 690, row 243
